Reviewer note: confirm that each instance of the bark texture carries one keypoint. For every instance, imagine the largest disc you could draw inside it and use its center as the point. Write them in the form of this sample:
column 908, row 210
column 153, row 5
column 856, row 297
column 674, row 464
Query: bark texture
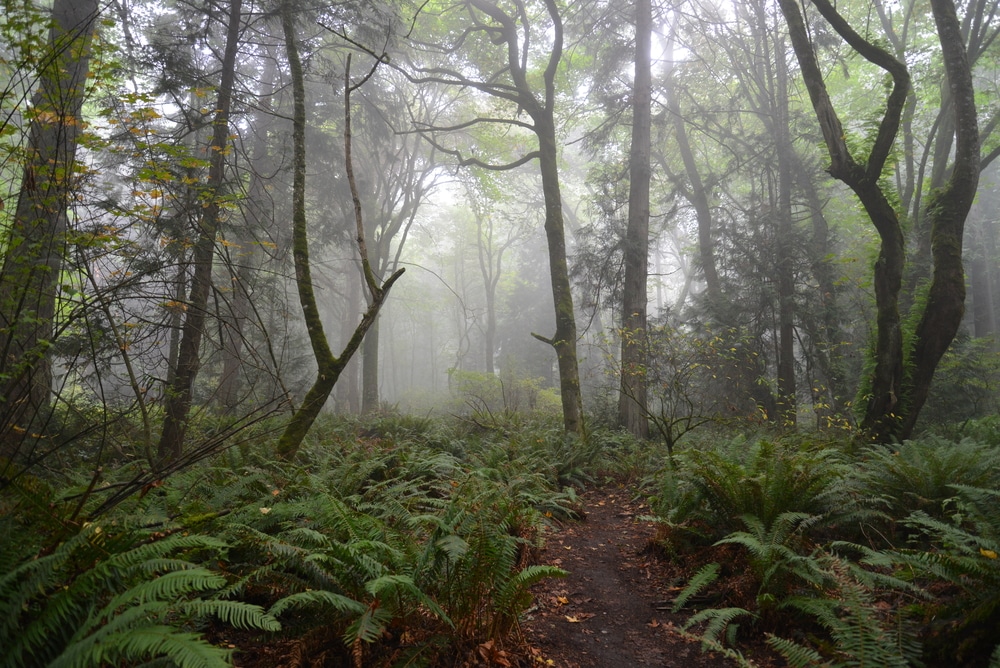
column 899, row 383
column 632, row 404
column 34, row 247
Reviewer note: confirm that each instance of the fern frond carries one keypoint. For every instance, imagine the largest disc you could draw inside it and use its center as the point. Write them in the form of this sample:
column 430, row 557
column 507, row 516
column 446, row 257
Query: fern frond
column 716, row 620
column 234, row 613
column 798, row 656
column 185, row 650
column 705, row 576
column 368, row 627
column 324, row 599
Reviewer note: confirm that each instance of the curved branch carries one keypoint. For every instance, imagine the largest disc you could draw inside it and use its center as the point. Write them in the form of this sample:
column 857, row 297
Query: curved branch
column 889, row 127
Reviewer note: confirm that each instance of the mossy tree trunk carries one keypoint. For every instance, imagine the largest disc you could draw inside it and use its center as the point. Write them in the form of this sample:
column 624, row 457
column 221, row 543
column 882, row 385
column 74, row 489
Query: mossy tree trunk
column 34, row 246
column 329, row 366
column 899, row 383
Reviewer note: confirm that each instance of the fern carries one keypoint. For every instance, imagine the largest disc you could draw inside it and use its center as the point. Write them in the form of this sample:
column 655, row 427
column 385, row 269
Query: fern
column 963, row 555
column 798, row 656
column 705, row 576
column 718, row 623
column 922, row 475
column 860, row 636
column 101, row 598
column 717, row 487
column 773, row 560
column 320, row 598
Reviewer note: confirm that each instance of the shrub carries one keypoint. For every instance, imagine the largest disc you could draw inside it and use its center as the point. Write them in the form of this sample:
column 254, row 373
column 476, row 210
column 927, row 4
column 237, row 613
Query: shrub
column 708, row 491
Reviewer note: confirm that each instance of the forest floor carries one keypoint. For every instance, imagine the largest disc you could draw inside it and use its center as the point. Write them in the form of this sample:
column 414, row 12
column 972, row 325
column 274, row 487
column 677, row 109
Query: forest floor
column 613, row 610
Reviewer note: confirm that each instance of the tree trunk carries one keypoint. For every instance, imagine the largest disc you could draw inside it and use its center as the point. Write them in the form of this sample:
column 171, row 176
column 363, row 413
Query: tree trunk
column 257, row 216
column 370, row 399
column 632, row 401
column 35, row 244
column 328, row 367
column 787, row 401
column 894, row 400
column 178, row 397
column 564, row 340
column 948, row 209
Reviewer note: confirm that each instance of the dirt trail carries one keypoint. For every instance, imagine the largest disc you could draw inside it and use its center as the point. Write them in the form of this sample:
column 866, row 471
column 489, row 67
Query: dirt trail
column 612, row 610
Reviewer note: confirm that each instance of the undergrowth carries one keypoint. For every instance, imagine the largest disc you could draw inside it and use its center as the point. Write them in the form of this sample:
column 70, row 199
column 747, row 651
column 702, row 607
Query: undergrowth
column 401, row 541
column 887, row 557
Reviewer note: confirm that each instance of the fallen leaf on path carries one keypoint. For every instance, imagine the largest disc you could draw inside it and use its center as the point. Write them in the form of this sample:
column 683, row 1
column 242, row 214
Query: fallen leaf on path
column 579, row 617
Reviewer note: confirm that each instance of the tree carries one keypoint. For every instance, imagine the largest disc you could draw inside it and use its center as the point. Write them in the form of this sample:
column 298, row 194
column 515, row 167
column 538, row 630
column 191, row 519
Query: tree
column 514, row 83
column 35, row 245
column 399, row 171
column 632, row 408
column 178, row 396
column 901, row 376
column 329, row 366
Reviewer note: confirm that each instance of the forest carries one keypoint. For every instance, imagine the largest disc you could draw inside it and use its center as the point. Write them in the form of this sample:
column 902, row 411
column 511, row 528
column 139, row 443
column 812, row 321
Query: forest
column 324, row 325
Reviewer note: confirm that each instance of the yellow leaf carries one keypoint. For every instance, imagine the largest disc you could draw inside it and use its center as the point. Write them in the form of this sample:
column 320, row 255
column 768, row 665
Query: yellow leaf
column 572, row 620
column 989, row 554
column 562, row 600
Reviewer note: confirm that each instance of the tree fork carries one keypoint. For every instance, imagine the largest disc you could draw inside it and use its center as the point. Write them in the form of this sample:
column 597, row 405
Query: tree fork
column 329, row 367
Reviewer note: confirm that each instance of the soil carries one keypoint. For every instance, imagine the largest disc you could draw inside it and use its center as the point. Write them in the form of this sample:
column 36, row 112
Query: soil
column 613, row 610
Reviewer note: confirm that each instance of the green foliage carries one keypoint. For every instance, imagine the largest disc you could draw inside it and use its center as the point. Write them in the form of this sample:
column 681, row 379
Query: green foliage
column 920, row 474
column 708, row 491
column 964, row 556
column 719, row 629
column 478, row 558
column 705, row 576
column 860, row 633
column 108, row 595
column 965, row 383
column 868, row 612
column 774, row 560
column 497, row 400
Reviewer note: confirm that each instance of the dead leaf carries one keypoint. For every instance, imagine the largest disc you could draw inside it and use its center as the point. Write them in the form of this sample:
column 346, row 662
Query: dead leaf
column 572, row 620
column 562, row 600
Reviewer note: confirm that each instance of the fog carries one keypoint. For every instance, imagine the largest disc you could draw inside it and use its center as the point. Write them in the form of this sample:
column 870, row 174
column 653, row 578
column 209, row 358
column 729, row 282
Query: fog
column 495, row 160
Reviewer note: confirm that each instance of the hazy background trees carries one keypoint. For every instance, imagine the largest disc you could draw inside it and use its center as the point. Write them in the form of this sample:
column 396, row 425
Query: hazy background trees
column 499, row 156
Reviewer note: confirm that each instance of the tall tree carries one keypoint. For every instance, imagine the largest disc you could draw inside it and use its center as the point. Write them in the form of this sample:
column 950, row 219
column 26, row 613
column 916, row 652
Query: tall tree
column 632, row 403
column 516, row 83
column 901, row 378
column 329, row 366
column 178, row 395
column 35, row 245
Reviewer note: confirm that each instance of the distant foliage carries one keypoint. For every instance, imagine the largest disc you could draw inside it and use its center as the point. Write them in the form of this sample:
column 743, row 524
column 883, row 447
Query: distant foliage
column 491, row 400
column 966, row 383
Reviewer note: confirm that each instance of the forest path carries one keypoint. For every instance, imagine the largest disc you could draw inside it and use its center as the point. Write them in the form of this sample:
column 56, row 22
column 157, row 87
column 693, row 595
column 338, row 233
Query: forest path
column 612, row 611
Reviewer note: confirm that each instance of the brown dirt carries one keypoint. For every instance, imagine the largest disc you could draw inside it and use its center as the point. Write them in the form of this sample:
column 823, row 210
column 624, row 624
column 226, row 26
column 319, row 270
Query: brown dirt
column 613, row 610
